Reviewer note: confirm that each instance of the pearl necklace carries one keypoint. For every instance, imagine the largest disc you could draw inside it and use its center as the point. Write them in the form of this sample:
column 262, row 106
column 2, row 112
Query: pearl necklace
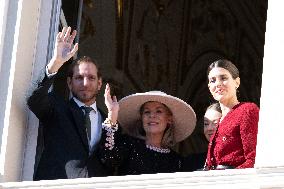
column 157, row 149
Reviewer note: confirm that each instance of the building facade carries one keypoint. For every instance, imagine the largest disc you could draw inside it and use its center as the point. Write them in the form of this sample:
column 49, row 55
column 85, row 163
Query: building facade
column 27, row 33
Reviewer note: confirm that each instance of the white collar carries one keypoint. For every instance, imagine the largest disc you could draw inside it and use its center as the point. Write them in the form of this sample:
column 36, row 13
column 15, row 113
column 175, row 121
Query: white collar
column 80, row 104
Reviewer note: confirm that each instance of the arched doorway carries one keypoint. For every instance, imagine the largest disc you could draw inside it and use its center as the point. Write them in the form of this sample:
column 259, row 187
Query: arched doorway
column 167, row 45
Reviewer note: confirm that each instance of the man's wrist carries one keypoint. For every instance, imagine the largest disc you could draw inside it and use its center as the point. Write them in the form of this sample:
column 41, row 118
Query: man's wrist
column 54, row 65
column 48, row 73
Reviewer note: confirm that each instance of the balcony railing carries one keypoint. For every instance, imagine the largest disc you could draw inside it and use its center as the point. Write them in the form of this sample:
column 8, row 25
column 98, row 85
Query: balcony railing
column 239, row 178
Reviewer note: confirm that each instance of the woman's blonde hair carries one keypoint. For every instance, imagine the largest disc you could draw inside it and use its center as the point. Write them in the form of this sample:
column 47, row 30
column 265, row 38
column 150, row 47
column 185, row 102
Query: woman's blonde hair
column 138, row 131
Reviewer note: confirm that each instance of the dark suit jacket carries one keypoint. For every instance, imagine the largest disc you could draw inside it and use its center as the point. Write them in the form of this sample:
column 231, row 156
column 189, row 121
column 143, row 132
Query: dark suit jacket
column 66, row 152
column 194, row 162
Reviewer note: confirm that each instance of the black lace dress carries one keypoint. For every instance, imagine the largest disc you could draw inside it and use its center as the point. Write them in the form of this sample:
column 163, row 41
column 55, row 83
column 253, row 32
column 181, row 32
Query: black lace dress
column 130, row 156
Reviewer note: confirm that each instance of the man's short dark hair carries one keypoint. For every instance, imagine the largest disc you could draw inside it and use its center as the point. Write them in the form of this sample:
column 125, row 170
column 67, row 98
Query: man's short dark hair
column 81, row 60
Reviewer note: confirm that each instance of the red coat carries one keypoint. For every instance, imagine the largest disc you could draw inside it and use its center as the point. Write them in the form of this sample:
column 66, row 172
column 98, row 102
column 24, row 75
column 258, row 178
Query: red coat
column 234, row 142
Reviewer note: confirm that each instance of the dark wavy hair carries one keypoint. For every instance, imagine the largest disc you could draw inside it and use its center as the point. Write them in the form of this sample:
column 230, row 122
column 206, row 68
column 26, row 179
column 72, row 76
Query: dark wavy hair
column 215, row 106
column 226, row 64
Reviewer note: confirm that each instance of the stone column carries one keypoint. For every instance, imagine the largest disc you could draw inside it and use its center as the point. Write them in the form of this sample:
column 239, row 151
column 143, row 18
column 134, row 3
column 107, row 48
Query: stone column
column 270, row 151
column 19, row 26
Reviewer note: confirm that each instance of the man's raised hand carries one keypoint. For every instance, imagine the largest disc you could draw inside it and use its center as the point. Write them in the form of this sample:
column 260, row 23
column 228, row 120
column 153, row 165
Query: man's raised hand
column 63, row 49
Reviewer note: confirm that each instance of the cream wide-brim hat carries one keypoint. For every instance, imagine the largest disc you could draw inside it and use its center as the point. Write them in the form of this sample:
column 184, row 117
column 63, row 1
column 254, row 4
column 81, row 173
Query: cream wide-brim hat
column 184, row 118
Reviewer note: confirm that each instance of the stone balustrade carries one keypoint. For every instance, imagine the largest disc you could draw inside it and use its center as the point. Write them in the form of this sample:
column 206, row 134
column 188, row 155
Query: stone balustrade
column 263, row 178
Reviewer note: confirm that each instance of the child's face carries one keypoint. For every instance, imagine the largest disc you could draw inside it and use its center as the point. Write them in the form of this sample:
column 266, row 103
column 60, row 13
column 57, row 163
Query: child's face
column 211, row 119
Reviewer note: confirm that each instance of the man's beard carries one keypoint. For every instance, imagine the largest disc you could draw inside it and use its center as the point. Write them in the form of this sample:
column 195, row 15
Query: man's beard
column 85, row 99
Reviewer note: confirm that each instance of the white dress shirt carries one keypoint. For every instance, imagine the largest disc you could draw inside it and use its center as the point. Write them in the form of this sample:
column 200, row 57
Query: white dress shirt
column 96, row 124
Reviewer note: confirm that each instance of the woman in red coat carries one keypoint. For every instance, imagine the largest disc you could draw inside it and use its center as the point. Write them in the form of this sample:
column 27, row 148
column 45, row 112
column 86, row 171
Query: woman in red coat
column 234, row 143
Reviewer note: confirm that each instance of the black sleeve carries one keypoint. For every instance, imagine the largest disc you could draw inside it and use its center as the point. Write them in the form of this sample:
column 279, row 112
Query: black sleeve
column 193, row 162
column 114, row 157
column 39, row 100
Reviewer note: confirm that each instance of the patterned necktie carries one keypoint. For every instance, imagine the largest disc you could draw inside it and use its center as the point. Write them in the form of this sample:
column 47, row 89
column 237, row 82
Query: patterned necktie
column 87, row 121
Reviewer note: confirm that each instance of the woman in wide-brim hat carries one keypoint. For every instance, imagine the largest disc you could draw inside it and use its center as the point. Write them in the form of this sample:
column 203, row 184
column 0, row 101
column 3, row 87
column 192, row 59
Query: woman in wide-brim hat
column 153, row 122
